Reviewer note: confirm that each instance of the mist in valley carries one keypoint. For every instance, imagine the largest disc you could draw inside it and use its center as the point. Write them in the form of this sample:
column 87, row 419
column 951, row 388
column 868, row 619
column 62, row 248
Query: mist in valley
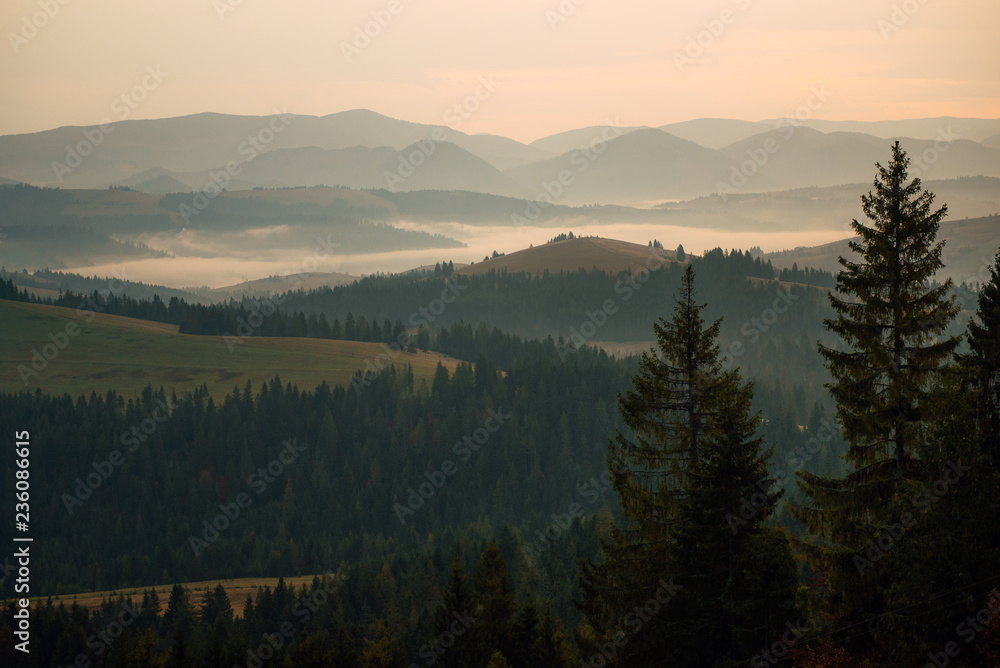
column 219, row 263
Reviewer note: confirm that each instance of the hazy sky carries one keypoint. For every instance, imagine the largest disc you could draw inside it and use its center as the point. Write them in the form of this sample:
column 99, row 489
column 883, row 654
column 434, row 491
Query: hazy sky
column 555, row 65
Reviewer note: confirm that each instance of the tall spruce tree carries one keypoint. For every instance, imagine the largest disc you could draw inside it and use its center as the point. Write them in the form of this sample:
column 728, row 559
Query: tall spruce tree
column 666, row 412
column 691, row 461
column 737, row 572
column 892, row 322
column 178, row 627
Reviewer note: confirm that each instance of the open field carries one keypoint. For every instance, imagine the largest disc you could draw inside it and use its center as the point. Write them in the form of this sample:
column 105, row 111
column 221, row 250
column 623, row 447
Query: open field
column 113, row 352
column 236, row 591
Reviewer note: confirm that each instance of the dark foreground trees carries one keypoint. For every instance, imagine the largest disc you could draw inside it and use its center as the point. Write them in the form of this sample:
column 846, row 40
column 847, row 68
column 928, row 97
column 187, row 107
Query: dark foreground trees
column 688, row 579
column 899, row 537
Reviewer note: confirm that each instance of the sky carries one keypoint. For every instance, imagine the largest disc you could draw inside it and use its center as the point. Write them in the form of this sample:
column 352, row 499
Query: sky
column 520, row 68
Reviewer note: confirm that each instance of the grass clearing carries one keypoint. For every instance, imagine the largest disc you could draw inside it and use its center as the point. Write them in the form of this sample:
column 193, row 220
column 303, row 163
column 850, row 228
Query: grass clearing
column 125, row 354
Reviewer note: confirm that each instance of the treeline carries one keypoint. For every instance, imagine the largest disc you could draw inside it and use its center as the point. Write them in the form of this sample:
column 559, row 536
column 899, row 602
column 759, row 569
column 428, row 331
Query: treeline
column 358, row 616
column 60, row 281
column 470, row 207
column 807, row 276
column 9, row 290
column 353, row 617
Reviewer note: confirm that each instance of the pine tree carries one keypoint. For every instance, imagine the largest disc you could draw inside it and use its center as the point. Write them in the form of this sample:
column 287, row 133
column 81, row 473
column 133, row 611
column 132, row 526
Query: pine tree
column 350, row 329
column 666, row 413
column 982, row 364
column 693, row 462
column 454, row 616
column 553, row 648
column 216, row 624
column 952, row 555
column 892, row 323
column 495, row 607
column 178, row 627
column 179, row 611
column 216, row 605
column 314, row 651
column 381, row 649
column 525, row 652
column 737, row 574
column 978, row 503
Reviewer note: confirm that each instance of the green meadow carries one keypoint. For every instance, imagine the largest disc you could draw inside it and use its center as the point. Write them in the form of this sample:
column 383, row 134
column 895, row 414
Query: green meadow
column 83, row 352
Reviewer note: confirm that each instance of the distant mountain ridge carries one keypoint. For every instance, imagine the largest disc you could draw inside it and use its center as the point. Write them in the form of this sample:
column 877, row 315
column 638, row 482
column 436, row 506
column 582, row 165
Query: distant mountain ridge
column 608, row 164
column 644, row 164
column 207, row 141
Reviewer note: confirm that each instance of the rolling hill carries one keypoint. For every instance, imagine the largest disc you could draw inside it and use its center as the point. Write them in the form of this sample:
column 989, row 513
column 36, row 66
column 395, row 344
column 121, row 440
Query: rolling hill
column 648, row 165
column 159, row 182
column 608, row 255
column 791, row 157
column 118, row 225
column 571, row 140
column 125, row 354
column 423, row 165
column 638, row 166
column 831, row 207
column 970, row 247
column 272, row 284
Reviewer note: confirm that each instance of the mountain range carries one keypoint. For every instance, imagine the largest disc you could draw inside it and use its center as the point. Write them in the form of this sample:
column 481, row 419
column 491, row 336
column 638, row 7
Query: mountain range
column 610, row 164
